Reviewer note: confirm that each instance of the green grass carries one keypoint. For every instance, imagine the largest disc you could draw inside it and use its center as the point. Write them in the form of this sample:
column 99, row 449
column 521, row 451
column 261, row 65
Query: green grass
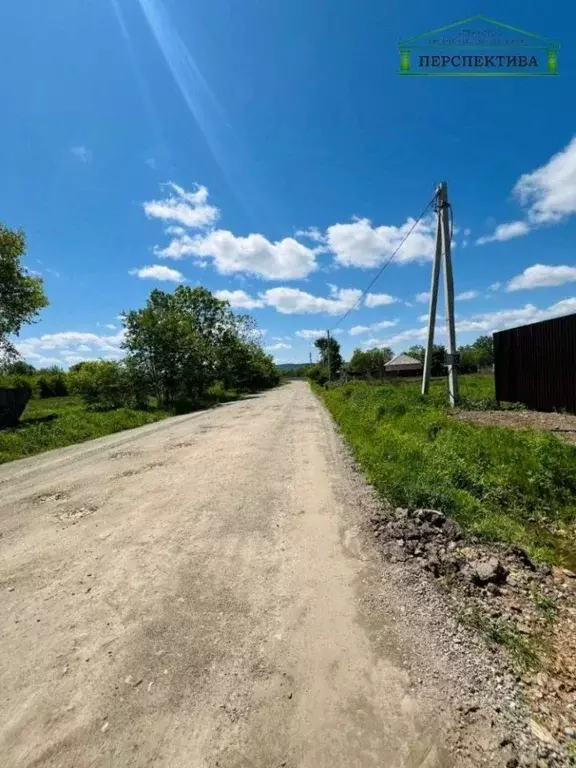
column 524, row 650
column 500, row 484
column 61, row 421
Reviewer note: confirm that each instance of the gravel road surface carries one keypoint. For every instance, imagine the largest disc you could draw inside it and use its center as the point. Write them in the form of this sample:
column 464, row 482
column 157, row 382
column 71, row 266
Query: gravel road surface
column 200, row 592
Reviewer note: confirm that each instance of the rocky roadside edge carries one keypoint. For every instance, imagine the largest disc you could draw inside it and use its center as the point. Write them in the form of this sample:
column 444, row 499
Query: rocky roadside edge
column 525, row 613
column 490, row 697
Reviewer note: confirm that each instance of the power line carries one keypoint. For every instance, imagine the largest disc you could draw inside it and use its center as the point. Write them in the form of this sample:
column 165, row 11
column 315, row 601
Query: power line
column 363, row 294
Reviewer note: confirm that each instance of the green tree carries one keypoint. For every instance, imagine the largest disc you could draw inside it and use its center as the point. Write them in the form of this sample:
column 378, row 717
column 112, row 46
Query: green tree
column 370, row 363
column 438, row 362
column 484, row 348
column 318, row 373
column 19, row 368
column 21, row 294
column 182, row 343
column 468, row 359
column 330, row 356
column 417, row 351
column 53, row 384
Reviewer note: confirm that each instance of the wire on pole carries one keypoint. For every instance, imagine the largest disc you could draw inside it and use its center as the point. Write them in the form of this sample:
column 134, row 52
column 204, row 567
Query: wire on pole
column 380, row 271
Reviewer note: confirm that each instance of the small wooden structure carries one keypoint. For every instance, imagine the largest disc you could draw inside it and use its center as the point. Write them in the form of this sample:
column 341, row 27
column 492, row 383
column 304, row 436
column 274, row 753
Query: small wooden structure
column 403, row 365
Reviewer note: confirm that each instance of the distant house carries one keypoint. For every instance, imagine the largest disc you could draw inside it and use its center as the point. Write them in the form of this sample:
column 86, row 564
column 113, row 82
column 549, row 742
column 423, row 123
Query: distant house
column 403, row 365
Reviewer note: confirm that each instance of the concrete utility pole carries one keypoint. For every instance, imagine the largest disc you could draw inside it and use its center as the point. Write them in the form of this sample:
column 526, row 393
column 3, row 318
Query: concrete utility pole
column 443, row 255
column 328, row 351
column 433, row 304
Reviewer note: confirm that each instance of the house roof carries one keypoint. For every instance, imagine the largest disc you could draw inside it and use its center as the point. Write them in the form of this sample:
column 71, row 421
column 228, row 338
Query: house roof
column 403, row 360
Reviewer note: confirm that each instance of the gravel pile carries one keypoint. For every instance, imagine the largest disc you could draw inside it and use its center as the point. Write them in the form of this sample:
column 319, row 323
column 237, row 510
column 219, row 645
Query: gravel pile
column 526, row 612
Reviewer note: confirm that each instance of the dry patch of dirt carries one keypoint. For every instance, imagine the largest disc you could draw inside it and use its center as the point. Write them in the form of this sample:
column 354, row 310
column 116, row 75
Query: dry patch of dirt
column 562, row 424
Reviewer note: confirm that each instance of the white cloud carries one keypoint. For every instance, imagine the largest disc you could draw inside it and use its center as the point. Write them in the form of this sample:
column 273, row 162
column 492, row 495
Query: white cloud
column 239, row 299
column 359, row 244
column 82, row 153
column 495, row 286
column 422, row 298
column 542, row 276
column 175, row 229
column 509, row 318
column 229, row 253
column 550, row 191
column 151, row 163
column 110, row 326
column 505, row 232
column 71, row 359
column 158, row 272
column 425, row 318
column 482, row 323
column 379, row 300
column 466, row 296
column 412, row 335
column 310, row 334
column 312, row 233
column 293, row 301
column 191, row 209
column 356, row 330
column 467, row 232
column 254, row 254
column 67, row 344
column 280, row 345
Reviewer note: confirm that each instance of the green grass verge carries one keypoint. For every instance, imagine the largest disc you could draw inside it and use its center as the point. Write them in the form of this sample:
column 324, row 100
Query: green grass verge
column 500, row 484
column 61, row 421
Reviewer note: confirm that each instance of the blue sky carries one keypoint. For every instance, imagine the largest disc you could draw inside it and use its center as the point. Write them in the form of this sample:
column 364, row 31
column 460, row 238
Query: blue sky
column 270, row 151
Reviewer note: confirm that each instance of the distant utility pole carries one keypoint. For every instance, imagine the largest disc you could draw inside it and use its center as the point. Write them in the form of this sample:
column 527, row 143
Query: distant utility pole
column 442, row 256
column 328, row 350
column 310, row 353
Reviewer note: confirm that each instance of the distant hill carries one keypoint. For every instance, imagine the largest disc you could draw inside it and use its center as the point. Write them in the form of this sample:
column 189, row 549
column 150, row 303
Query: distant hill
column 290, row 366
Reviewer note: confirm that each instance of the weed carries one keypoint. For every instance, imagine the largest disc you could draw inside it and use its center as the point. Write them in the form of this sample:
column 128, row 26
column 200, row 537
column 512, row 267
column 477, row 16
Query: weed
column 516, row 486
column 523, row 650
column 546, row 607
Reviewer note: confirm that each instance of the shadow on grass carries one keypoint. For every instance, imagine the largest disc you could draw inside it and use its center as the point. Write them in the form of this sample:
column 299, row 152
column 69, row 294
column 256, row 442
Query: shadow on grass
column 29, row 422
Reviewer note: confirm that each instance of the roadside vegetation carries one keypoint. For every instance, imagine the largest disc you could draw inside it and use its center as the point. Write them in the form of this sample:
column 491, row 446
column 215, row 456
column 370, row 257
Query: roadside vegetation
column 517, row 486
column 500, row 484
column 62, row 421
column 183, row 351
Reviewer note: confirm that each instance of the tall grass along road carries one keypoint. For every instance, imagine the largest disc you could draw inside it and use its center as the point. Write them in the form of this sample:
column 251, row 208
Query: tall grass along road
column 516, row 486
column 199, row 592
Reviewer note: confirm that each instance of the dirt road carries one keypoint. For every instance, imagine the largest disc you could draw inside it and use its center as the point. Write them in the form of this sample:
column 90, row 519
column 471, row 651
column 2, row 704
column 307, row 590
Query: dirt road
column 194, row 593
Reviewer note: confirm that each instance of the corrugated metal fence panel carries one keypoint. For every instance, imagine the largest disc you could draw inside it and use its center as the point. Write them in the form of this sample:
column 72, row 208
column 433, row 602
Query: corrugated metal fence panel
column 536, row 364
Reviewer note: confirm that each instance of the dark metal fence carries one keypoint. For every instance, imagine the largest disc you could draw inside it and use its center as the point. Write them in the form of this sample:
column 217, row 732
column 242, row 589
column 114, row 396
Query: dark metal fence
column 536, row 364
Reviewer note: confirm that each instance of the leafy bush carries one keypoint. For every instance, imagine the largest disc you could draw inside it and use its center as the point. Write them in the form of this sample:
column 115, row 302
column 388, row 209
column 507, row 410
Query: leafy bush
column 105, row 385
column 318, row 374
column 52, row 385
column 17, row 382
